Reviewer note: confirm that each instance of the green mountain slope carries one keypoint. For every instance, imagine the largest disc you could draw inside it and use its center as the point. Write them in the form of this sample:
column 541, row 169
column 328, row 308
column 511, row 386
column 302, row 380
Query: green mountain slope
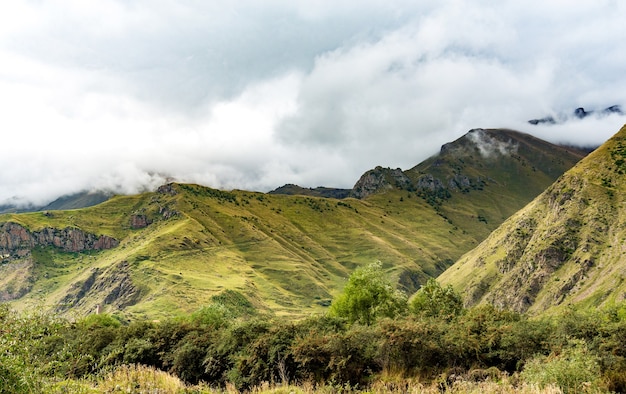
column 567, row 247
column 479, row 180
column 168, row 252
column 290, row 254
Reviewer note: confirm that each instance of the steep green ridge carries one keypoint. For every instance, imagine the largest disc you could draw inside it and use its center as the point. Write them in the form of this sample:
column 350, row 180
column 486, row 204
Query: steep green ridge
column 567, row 247
column 479, row 180
column 290, row 254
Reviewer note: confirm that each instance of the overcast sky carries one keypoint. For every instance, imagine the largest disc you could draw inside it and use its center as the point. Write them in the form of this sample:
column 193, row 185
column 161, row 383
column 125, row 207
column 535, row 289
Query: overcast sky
column 125, row 94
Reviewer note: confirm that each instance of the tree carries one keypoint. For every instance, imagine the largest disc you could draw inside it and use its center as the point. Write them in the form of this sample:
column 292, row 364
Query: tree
column 432, row 300
column 368, row 295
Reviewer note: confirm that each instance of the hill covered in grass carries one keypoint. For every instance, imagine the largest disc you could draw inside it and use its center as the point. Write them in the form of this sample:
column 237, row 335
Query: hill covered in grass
column 182, row 244
column 481, row 179
column 564, row 248
column 171, row 251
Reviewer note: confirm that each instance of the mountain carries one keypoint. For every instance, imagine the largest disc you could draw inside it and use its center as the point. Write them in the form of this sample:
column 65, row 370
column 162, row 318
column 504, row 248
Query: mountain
column 479, row 180
column 70, row 201
column 320, row 191
column 579, row 113
column 565, row 248
column 170, row 251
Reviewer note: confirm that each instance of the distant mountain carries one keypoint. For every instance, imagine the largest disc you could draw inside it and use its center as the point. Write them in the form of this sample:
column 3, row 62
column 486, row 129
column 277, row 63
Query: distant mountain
column 169, row 251
column 567, row 247
column 579, row 113
column 71, row 201
column 293, row 190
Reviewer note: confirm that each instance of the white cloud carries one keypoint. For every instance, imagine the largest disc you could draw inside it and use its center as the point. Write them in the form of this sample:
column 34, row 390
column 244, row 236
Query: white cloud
column 124, row 94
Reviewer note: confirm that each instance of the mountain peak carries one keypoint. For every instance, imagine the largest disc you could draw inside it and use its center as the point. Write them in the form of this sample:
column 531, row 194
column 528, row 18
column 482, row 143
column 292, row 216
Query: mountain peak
column 480, row 156
column 487, row 143
column 563, row 248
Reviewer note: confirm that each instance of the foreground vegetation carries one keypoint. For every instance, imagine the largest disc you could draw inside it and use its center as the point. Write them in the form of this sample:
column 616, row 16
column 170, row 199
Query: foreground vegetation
column 428, row 344
column 482, row 350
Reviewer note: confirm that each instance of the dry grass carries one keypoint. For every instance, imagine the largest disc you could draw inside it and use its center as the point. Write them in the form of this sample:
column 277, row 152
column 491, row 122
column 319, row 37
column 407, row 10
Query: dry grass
column 140, row 379
column 408, row 388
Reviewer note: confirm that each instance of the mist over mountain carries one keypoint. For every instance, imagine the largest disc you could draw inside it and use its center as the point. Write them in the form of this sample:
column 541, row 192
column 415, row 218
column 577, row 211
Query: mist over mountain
column 121, row 96
column 578, row 113
column 566, row 248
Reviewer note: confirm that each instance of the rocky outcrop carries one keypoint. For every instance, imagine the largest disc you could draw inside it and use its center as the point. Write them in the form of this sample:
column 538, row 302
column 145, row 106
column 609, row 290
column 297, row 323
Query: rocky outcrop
column 429, row 182
column 17, row 241
column 139, row 221
column 168, row 189
column 16, row 279
column 379, row 179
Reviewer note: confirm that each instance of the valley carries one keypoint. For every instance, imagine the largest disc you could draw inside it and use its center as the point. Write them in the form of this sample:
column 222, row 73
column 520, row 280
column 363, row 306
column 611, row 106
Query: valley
column 287, row 254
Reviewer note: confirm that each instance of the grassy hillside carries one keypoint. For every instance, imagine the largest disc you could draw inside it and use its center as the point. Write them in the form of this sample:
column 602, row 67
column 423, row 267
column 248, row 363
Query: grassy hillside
column 490, row 174
column 565, row 248
column 289, row 254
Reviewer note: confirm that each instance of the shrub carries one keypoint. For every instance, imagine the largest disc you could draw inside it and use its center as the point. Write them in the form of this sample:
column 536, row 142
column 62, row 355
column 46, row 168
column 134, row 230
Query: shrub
column 214, row 315
column 475, row 338
column 98, row 321
column 574, row 369
column 368, row 295
column 432, row 300
column 411, row 347
column 345, row 357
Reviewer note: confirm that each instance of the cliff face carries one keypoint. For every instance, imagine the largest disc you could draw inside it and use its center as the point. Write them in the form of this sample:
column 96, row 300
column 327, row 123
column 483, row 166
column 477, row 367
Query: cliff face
column 16, row 241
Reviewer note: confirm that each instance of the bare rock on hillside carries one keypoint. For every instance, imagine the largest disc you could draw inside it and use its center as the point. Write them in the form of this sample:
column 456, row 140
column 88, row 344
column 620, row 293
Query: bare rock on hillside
column 138, row 221
column 380, row 179
column 16, row 241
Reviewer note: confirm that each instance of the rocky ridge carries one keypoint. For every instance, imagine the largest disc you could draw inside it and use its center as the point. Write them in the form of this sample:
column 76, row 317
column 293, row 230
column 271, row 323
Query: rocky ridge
column 379, row 179
column 462, row 165
column 17, row 241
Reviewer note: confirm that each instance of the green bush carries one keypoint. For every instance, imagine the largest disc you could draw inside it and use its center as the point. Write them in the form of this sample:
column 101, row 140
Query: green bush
column 226, row 359
column 410, row 347
column 432, row 300
column 341, row 357
column 214, row 315
column 368, row 296
column 476, row 338
column 574, row 369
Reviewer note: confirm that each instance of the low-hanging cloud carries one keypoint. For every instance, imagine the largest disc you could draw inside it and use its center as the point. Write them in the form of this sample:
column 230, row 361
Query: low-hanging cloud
column 125, row 95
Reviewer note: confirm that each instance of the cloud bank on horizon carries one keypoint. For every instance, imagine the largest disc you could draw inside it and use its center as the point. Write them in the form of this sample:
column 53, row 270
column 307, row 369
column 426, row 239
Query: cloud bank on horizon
column 124, row 95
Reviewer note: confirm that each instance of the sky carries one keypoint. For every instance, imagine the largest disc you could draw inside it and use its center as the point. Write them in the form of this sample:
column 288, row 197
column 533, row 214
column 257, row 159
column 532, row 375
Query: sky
column 125, row 95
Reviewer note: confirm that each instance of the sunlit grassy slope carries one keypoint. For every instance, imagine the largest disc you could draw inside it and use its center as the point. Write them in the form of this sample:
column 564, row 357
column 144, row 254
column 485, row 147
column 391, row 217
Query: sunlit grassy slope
column 567, row 247
column 290, row 254
column 287, row 254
